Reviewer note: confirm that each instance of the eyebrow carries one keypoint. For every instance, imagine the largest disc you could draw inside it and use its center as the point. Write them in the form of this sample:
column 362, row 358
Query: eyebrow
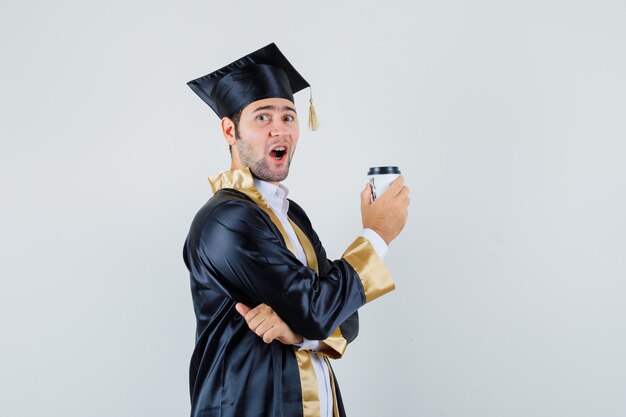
column 274, row 108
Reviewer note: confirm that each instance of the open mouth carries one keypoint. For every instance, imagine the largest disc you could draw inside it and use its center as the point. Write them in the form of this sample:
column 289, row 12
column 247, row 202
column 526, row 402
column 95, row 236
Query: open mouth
column 278, row 152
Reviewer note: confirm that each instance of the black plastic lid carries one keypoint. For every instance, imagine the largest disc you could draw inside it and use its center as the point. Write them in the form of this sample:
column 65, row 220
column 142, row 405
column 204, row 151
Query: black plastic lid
column 383, row 170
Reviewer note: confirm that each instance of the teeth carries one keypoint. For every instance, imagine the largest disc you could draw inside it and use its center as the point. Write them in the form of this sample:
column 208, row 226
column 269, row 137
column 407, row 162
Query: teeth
column 279, row 148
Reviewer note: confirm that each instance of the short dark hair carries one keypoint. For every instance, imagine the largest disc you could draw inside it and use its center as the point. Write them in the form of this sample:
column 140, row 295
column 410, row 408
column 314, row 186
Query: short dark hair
column 236, row 117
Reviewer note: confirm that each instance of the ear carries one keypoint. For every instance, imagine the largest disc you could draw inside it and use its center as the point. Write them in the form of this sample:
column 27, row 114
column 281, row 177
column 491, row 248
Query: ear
column 228, row 130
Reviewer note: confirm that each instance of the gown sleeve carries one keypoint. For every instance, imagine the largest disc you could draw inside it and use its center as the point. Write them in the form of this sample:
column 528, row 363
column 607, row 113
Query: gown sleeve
column 335, row 345
column 234, row 248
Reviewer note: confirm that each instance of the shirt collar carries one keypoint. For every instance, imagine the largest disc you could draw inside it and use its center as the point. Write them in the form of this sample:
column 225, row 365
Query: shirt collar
column 274, row 194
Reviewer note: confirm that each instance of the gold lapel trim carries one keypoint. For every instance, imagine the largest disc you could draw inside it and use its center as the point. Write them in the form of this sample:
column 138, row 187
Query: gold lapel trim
column 308, row 382
column 332, row 384
column 309, row 252
column 241, row 180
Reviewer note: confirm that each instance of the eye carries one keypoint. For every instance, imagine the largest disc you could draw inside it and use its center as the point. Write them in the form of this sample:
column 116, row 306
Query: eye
column 263, row 117
column 289, row 118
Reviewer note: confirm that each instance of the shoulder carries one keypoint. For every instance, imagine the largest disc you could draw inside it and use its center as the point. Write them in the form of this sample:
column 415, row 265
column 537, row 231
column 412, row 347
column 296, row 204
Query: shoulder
column 228, row 210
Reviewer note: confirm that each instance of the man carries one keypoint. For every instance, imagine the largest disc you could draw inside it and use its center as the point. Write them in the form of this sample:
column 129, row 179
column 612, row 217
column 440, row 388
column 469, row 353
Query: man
column 270, row 307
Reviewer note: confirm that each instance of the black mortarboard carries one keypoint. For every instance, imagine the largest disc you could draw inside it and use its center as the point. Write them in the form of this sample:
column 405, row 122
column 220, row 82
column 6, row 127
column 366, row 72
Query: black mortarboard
column 265, row 73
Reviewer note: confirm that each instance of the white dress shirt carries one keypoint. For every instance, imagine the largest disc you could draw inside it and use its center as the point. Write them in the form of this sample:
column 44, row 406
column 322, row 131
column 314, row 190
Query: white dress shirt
column 276, row 197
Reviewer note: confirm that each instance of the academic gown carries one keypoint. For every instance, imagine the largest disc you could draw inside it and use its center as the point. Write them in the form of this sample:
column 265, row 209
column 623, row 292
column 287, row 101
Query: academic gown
column 238, row 251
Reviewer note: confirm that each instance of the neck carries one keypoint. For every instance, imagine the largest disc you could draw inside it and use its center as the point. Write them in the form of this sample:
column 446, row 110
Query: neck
column 235, row 163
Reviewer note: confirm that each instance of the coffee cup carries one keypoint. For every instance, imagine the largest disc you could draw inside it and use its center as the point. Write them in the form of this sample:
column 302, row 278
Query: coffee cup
column 380, row 179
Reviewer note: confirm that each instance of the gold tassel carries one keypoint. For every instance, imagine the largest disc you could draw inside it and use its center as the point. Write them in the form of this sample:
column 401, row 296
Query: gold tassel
column 313, row 124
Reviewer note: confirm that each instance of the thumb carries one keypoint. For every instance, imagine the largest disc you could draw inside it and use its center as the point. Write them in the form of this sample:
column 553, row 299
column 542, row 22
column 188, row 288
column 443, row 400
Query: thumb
column 242, row 309
column 366, row 195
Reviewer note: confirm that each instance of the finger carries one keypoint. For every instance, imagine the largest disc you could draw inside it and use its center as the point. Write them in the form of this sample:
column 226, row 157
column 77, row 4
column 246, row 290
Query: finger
column 270, row 335
column 394, row 189
column 264, row 327
column 404, row 192
column 242, row 309
column 366, row 195
column 257, row 315
column 250, row 315
column 254, row 323
column 396, row 185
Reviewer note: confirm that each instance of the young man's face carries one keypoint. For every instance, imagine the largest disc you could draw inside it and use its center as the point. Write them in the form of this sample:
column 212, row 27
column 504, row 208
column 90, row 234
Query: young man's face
column 267, row 138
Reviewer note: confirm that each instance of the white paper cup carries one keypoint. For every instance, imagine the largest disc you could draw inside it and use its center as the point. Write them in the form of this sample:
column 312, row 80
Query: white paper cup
column 381, row 178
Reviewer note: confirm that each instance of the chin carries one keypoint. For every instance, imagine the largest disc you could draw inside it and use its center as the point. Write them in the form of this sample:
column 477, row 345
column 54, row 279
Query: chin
column 280, row 177
column 270, row 176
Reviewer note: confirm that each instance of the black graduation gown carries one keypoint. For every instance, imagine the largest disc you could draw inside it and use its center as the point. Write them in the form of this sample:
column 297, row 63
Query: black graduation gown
column 237, row 251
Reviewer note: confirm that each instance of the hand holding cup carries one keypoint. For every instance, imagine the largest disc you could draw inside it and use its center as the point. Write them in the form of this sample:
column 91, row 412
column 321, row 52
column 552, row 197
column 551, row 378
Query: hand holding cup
column 386, row 215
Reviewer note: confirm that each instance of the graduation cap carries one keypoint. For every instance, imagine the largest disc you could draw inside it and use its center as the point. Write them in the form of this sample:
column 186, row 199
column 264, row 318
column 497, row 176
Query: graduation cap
column 265, row 73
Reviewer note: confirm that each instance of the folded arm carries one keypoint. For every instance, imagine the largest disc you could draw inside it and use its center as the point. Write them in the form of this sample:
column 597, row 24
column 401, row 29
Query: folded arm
column 237, row 250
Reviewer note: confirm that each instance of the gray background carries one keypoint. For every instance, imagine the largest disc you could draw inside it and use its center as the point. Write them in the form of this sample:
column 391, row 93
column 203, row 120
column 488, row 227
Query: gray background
column 507, row 119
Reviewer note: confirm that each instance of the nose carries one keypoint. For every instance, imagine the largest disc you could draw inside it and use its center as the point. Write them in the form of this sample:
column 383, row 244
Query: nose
column 278, row 128
column 278, row 131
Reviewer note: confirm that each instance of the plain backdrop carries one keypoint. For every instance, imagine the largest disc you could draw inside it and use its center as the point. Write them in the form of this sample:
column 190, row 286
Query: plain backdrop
column 507, row 119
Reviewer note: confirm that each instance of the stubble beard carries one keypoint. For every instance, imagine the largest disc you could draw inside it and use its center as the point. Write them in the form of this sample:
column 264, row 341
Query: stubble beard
column 259, row 168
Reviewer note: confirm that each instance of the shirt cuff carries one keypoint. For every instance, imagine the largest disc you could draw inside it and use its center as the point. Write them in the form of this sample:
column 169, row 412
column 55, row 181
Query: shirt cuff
column 307, row 344
column 377, row 242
